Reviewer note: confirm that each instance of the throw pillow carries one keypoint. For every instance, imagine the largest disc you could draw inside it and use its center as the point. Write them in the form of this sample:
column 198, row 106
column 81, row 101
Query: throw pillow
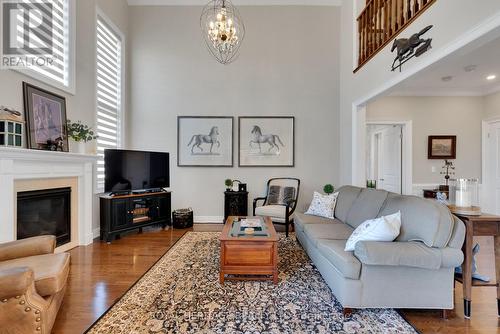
column 323, row 205
column 273, row 197
column 280, row 195
column 385, row 228
column 288, row 195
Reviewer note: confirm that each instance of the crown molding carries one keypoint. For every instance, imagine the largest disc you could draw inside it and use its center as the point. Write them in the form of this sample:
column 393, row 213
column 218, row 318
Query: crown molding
column 237, row 2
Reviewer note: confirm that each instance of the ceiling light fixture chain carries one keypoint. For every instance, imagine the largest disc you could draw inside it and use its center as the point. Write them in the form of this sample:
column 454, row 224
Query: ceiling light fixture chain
column 223, row 30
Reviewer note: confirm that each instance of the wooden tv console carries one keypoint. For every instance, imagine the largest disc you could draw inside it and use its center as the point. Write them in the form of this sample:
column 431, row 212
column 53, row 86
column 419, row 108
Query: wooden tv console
column 121, row 213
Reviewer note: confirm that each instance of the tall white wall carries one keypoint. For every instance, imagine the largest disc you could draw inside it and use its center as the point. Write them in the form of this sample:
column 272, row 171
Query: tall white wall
column 289, row 65
column 455, row 22
column 80, row 106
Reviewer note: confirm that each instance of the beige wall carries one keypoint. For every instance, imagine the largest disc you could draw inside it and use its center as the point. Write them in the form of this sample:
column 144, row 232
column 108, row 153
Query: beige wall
column 283, row 69
column 460, row 116
column 491, row 106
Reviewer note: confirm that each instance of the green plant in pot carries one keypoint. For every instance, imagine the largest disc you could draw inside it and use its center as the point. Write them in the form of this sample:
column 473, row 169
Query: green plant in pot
column 229, row 184
column 79, row 134
column 328, row 189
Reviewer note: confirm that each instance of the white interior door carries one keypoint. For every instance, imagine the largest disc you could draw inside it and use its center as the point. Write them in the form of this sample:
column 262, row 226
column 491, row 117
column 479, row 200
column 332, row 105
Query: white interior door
column 492, row 177
column 389, row 159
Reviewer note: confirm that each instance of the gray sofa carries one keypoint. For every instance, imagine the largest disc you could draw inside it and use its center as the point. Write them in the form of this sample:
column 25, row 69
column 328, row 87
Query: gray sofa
column 414, row 271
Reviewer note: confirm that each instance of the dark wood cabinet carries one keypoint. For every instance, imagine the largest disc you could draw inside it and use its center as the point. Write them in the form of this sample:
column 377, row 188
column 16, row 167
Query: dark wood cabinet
column 235, row 203
column 135, row 211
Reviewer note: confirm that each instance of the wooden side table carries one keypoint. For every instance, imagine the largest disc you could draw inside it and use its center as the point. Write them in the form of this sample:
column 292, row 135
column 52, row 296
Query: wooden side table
column 235, row 203
column 484, row 225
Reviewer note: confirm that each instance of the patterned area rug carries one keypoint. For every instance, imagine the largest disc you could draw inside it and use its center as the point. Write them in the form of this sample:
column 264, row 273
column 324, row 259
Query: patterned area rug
column 182, row 294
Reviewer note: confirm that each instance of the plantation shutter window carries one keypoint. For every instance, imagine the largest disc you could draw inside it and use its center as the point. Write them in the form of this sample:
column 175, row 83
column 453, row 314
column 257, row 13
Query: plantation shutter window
column 56, row 32
column 109, row 92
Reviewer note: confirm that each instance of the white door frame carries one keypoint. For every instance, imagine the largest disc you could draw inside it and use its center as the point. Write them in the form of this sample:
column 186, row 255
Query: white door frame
column 485, row 195
column 406, row 156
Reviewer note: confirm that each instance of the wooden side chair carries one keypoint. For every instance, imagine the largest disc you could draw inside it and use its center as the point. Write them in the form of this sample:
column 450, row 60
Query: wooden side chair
column 280, row 201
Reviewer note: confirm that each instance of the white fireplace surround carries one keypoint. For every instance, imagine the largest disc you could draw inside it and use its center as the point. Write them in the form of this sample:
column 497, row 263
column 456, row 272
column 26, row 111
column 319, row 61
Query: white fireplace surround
column 24, row 164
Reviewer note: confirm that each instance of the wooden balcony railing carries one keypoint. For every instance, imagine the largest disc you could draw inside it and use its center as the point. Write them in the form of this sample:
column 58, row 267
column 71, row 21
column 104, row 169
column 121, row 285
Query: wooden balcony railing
column 381, row 21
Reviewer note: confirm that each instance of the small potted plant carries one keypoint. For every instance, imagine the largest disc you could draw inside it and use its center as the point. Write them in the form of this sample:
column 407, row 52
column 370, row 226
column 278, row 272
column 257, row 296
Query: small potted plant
column 79, row 134
column 229, row 184
column 328, row 189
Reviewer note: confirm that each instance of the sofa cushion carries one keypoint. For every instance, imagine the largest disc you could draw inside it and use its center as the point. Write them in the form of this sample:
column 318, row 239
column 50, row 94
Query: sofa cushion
column 276, row 212
column 410, row 254
column 302, row 219
column 345, row 262
column 366, row 206
column 327, row 231
column 51, row 271
column 347, row 196
column 421, row 219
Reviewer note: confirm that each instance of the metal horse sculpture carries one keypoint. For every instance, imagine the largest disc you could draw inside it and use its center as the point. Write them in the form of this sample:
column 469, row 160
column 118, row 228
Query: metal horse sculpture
column 406, row 47
column 211, row 138
column 259, row 138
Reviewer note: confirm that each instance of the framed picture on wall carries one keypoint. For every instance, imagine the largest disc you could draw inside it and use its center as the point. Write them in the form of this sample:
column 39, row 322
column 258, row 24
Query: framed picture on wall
column 442, row 147
column 204, row 141
column 266, row 141
column 45, row 119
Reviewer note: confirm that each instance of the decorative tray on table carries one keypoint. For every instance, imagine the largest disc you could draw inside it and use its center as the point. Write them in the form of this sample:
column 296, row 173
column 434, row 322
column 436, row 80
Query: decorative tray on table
column 249, row 227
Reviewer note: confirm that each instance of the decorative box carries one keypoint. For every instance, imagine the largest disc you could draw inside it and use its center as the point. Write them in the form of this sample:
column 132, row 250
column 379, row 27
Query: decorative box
column 182, row 218
column 11, row 130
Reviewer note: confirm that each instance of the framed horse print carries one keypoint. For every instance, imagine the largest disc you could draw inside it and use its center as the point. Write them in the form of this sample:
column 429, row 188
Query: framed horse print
column 204, row 141
column 266, row 141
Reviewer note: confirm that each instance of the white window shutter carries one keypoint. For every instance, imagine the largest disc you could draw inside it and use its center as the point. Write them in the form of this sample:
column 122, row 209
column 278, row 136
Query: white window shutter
column 58, row 72
column 109, row 92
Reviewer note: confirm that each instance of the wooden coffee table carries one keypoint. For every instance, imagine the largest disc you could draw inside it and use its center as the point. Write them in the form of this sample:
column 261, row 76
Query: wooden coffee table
column 248, row 257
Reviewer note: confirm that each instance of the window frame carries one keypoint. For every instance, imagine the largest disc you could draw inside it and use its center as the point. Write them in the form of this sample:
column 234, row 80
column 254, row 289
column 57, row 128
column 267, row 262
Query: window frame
column 71, row 87
column 99, row 14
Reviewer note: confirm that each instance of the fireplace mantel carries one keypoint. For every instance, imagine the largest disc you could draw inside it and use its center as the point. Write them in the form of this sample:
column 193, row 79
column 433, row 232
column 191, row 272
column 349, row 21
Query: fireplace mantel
column 25, row 164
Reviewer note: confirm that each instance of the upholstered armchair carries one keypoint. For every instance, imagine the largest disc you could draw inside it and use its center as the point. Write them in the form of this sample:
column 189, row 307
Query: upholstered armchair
column 280, row 201
column 32, row 284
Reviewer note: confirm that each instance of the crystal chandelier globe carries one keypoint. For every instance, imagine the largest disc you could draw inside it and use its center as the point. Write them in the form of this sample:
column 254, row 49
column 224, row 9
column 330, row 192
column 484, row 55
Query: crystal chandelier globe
column 223, row 30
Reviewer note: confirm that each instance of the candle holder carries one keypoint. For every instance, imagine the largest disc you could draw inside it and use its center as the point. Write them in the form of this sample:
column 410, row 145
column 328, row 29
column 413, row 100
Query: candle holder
column 464, row 197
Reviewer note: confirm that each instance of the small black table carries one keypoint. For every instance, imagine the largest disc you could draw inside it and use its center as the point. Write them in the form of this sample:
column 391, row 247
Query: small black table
column 235, row 203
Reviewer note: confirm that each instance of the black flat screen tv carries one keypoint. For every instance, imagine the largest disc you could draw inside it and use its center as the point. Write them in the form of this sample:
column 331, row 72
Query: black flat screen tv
column 127, row 170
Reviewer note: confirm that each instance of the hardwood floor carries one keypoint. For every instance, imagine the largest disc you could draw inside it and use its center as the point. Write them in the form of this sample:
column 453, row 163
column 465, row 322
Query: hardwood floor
column 101, row 273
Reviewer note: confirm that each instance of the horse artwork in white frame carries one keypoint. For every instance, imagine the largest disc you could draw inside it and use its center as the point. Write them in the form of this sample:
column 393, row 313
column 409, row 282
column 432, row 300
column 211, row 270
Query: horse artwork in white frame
column 204, row 141
column 266, row 141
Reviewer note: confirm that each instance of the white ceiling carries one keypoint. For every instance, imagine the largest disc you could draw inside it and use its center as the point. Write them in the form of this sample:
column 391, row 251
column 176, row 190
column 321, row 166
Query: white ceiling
column 236, row 2
column 485, row 55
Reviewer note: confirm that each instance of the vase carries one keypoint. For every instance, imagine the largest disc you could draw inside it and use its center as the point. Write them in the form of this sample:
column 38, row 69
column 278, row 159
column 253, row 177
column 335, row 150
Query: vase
column 78, row 147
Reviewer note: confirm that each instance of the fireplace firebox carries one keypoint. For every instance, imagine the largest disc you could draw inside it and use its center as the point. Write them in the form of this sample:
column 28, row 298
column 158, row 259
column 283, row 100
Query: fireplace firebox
column 42, row 212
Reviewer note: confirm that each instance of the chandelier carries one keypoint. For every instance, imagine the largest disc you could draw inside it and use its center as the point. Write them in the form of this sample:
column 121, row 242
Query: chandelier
column 223, row 30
